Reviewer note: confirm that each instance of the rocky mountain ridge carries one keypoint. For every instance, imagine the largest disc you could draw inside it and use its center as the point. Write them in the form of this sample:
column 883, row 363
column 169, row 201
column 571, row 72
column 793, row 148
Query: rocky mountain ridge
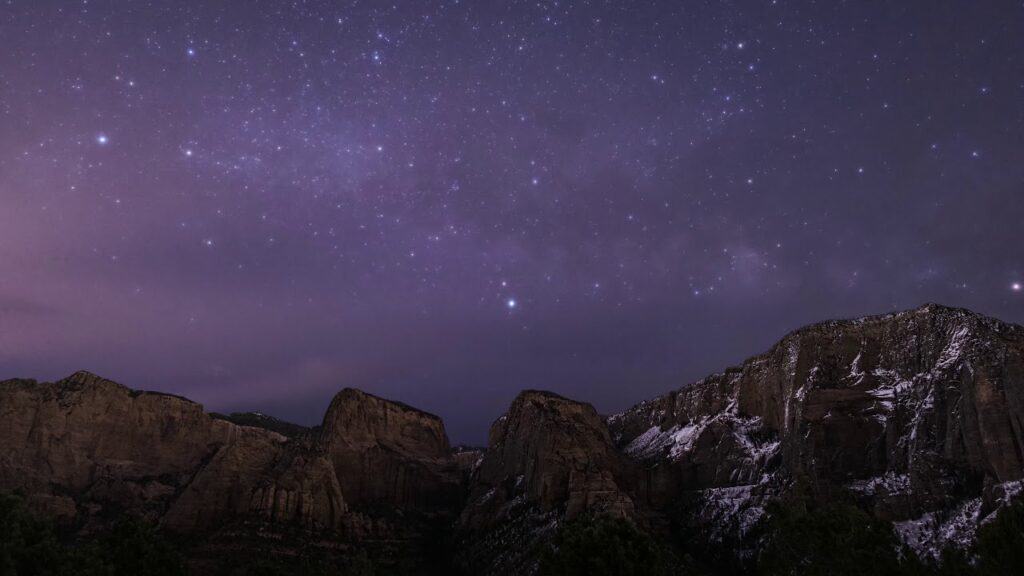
column 918, row 416
column 85, row 449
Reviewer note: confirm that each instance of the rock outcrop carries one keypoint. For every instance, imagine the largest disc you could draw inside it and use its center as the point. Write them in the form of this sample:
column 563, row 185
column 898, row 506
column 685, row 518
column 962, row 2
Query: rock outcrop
column 84, row 446
column 548, row 459
column 919, row 414
column 387, row 454
column 85, row 449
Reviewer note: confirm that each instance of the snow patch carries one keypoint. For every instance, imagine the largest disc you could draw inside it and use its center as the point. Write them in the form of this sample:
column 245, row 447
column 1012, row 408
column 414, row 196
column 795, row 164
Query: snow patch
column 955, row 349
column 679, row 440
column 931, row 533
column 731, row 505
column 890, row 483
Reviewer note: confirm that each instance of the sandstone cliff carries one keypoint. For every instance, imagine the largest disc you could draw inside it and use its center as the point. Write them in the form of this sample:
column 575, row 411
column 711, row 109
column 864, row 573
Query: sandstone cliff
column 85, row 449
column 919, row 414
column 548, row 459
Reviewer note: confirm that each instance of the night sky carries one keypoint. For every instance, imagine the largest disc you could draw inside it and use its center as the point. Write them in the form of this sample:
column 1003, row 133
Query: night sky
column 256, row 203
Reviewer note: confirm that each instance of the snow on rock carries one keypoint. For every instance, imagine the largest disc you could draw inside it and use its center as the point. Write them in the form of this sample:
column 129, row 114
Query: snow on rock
column 955, row 349
column 931, row 394
column 730, row 510
column 890, row 483
column 932, row 532
column 678, row 441
column 683, row 438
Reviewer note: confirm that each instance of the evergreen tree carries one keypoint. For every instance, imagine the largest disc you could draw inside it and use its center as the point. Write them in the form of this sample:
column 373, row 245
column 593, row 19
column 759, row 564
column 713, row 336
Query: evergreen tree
column 602, row 546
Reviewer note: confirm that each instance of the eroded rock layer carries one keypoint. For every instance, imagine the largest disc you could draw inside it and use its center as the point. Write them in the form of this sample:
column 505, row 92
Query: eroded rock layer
column 919, row 414
column 548, row 459
column 85, row 450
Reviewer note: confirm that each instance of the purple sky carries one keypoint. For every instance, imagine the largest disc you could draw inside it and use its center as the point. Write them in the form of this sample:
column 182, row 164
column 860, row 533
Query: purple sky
column 255, row 204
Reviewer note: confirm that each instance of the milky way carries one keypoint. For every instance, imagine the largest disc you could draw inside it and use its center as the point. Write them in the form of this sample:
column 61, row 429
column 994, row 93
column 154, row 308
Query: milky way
column 256, row 203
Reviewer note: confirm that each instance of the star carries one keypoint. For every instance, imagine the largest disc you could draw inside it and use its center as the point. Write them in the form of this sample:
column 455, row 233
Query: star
column 364, row 154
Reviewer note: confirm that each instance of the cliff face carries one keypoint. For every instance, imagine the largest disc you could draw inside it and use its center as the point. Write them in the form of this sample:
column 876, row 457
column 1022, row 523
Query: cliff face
column 85, row 444
column 85, row 449
column 919, row 414
column 550, row 452
column 548, row 459
column 388, row 454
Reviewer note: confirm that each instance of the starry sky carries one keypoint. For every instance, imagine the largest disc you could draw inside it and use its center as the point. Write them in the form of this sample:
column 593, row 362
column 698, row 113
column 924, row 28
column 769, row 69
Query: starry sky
column 255, row 203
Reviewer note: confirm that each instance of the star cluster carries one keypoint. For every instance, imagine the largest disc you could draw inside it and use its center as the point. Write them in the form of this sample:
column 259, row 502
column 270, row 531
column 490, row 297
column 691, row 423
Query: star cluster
column 256, row 203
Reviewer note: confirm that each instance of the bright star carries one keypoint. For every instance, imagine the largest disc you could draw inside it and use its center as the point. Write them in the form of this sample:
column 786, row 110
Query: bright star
column 102, row 139
column 1016, row 286
column 511, row 303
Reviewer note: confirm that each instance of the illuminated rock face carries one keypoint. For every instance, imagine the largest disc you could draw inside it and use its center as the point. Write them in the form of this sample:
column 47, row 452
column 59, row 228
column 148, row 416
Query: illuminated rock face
column 548, row 459
column 84, row 447
column 387, row 454
column 550, row 452
column 917, row 414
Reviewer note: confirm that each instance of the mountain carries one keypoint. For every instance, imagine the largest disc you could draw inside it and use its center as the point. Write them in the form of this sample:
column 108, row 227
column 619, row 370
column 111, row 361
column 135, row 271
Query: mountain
column 548, row 459
column 85, row 449
column 915, row 418
column 918, row 415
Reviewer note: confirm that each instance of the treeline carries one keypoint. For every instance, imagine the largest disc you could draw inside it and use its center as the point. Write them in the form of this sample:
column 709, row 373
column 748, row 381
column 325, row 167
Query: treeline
column 30, row 546
column 794, row 540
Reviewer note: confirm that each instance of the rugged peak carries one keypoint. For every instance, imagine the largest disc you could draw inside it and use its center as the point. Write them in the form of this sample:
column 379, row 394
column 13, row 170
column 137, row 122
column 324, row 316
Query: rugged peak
column 914, row 412
column 929, row 311
column 540, row 412
column 358, row 419
column 548, row 458
column 386, row 453
column 543, row 394
column 549, row 399
column 551, row 451
column 85, row 378
column 348, row 394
